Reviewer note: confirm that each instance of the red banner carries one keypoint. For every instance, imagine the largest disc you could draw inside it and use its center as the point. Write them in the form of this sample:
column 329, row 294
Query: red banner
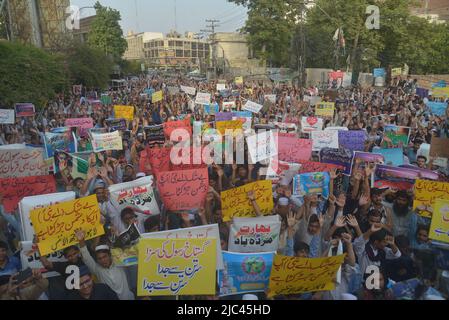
column 294, row 150
column 157, row 158
column 15, row 189
column 309, row 166
column 169, row 127
column 183, row 190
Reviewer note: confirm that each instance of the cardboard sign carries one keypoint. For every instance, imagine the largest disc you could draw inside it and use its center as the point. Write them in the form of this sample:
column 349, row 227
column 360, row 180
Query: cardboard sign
column 157, row 96
column 223, row 116
column 395, row 72
column 158, row 158
column 202, row 98
column 252, row 107
column 171, row 126
column 60, row 139
column 437, row 108
column 262, row 146
column 138, row 193
column 235, row 202
column 393, row 157
column 440, row 92
column 189, row 90
column 209, row 231
column 270, row 97
column 14, row 190
column 399, row 136
column 221, row 86
column 311, row 183
column 183, row 190
column 379, row 72
column 55, row 225
column 259, row 234
column 23, row 162
column 325, row 109
column 394, row 177
column 239, row 80
column 324, row 139
column 352, row 140
column 294, row 150
column 7, row 116
column 116, row 124
column 211, row 109
column 340, row 157
column 309, row 124
column 25, row 110
column 439, row 147
column 124, row 112
column 232, row 125
column 291, row 275
column 245, row 273
column 439, row 227
column 426, row 194
column 176, row 267
column 107, row 141
column 310, row 166
column 124, row 257
column 82, row 123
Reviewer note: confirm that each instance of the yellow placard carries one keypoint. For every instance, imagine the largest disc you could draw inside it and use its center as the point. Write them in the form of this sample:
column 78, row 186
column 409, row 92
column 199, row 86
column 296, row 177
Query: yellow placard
column 174, row 267
column 440, row 92
column 235, row 202
column 157, row 96
column 55, row 225
column 124, row 112
column 292, row 275
column 395, row 72
column 426, row 192
column 249, row 91
column 439, row 227
column 239, row 80
column 325, row 109
column 222, row 126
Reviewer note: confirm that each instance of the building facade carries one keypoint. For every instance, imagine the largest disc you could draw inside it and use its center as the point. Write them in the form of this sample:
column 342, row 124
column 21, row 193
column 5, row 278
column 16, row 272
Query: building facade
column 82, row 33
column 136, row 42
column 435, row 10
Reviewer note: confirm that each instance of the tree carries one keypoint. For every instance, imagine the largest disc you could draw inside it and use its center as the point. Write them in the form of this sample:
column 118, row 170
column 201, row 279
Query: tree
column 106, row 32
column 89, row 66
column 29, row 74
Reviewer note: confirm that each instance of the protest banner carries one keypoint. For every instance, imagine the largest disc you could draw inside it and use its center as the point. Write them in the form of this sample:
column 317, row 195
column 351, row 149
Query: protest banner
column 124, row 112
column 238, row 80
column 27, row 204
column 172, row 90
column 309, row 124
column 23, row 162
column 25, row 110
column 421, row 172
column 60, row 139
column 341, row 157
column 82, row 123
column 399, row 136
column 379, row 72
column 313, row 101
column 7, row 116
column 157, row 97
column 106, row 141
column 221, row 86
column 324, row 139
column 245, row 117
column 426, row 192
column 157, row 158
column 393, row 157
column 259, row 234
column 440, row 92
column 14, row 190
column 233, row 125
column 252, row 107
column 310, row 167
column 262, row 146
column 439, row 227
column 154, row 135
column 363, row 159
column 189, row 90
column 223, row 116
column 203, row 98
column 270, row 97
column 211, row 109
column 106, row 100
column 422, row 93
column 292, row 275
column 137, row 194
column 183, row 190
column 294, row 149
column 74, row 166
column 245, row 273
column 116, row 124
column 55, row 225
column 281, row 171
column 228, row 105
column 352, row 140
column 336, row 129
column 125, row 257
column 395, row 72
column 394, row 177
column 437, row 108
column 311, row 183
column 439, row 147
column 285, row 127
column 176, row 267
column 210, row 231
column 29, row 258
column 325, row 109
column 235, row 202
column 171, row 126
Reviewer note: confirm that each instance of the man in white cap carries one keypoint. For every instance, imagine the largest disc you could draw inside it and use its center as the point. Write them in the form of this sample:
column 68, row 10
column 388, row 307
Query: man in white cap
column 104, row 269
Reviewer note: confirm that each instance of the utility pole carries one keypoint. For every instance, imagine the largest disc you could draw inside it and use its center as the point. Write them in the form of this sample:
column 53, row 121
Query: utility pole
column 302, row 45
column 212, row 26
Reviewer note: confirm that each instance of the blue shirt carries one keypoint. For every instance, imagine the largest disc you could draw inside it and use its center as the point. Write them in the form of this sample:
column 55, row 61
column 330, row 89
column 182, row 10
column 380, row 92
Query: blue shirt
column 12, row 266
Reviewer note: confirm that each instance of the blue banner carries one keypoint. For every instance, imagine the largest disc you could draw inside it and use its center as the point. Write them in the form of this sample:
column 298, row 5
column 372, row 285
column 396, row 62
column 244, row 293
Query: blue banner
column 393, row 157
column 245, row 272
column 379, row 72
column 437, row 108
column 310, row 183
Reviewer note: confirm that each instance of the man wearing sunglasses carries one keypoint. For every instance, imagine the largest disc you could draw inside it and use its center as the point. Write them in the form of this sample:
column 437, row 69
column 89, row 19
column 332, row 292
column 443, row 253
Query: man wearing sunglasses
column 89, row 290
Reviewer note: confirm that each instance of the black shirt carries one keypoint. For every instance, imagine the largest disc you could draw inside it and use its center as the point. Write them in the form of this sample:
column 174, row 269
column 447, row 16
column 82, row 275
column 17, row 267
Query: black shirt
column 100, row 291
column 60, row 267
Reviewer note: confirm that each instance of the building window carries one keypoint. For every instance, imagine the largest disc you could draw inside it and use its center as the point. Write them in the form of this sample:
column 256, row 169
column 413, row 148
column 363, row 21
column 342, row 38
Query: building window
column 194, row 46
column 171, row 43
column 200, row 46
column 194, row 53
column 206, row 47
column 200, row 54
column 179, row 53
column 187, row 53
column 207, row 54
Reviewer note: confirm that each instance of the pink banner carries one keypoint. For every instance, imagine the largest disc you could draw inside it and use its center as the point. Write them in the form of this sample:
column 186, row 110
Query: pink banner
column 294, row 150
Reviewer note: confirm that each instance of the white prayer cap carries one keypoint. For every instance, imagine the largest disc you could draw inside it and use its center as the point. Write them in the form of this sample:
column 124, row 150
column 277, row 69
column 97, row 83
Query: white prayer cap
column 348, row 296
column 283, row 201
column 140, row 175
column 102, row 247
column 249, row 297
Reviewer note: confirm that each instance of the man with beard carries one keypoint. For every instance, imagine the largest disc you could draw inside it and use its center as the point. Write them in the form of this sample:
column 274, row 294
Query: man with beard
column 402, row 214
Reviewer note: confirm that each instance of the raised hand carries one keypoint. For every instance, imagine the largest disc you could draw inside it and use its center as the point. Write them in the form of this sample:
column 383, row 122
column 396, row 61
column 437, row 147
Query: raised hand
column 346, row 237
column 376, row 227
column 80, row 235
column 364, row 200
column 340, row 222
column 250, row 195
column 332, row 199
column 291, row 220
column 333, row 174
column 352, row 221
column 390, row 240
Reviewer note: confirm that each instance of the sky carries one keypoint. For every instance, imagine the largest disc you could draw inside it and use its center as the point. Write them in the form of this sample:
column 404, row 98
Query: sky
column 159, row 15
